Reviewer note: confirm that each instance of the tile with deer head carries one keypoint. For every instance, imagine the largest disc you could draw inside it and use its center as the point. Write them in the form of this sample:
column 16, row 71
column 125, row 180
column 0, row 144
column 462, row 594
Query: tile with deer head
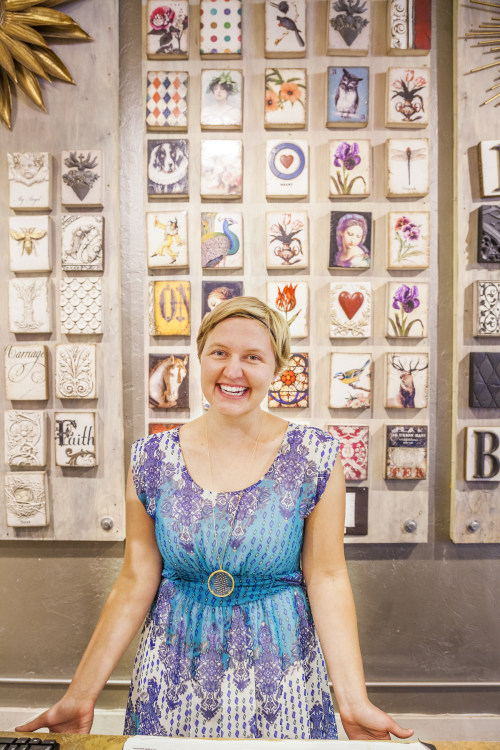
column 407, row 380
column 30, row 181
column 350, row 380
column 350, row 309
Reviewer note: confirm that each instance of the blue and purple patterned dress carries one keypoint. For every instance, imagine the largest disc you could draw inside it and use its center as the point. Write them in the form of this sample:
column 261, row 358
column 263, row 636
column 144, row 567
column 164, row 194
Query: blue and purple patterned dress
column 248, row 665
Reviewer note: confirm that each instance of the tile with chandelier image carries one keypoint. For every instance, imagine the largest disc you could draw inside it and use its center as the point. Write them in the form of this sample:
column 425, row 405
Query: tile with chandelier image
column 287, row 169
column 486, row 308
column 168, row 169
column 221, row 99
column 169, row 307
column 292, row 301
column 80, row 305
column 76, row 371
column 30, row 305
column 222, row 239
column 26, row 499
column 220, row 29
column 348, row 97
column 26, row 368
column 353, row 450
column 285, row 98
column 350, row 239
column 406, row 451
column 407, row 167
column 407, row 380
column 408, row 239
column 75, row 439
column 168, row 380
column 285, row 29
column 30, row 243
column 167, row 100
column 82, row 242
column 489, row 168
column 348, row 27
column 350, row 380
column 30, row 181
column 407, row 97
column 349, row 169
column 221, row 169
column 82, row 181
column 407, row 310
column 167, row 30
column 215, row 292
column 350, row 309
column 287, row 239
column 167, row 239
column 25, row 434
column 291, row 388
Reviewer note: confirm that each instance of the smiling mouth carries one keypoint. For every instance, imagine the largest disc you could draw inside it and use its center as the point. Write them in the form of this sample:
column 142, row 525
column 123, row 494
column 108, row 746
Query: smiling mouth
column 232, row 390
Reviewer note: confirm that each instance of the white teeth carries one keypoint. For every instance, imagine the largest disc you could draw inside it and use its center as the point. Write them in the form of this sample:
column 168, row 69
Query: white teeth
column 232, row 389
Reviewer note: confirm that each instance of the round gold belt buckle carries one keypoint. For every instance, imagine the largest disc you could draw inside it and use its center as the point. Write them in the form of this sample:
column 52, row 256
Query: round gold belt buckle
column 220, row 583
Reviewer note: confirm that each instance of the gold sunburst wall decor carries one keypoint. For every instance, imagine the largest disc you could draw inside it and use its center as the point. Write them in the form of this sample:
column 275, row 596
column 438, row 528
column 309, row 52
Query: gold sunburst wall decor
column 25, row 54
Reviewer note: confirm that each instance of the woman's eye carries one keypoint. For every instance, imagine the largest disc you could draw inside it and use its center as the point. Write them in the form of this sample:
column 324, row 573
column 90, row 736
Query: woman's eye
column 254, row 358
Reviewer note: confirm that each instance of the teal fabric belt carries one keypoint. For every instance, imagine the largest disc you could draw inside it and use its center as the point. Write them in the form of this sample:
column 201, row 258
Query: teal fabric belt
column 246, row 588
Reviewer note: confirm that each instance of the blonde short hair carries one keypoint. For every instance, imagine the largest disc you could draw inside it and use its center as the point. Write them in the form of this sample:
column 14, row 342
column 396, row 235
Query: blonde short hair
column 253, row 309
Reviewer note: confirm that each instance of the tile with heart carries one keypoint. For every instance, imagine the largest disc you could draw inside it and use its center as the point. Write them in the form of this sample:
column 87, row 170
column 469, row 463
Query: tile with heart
column 350, row 309
column 82, row 183
column 287, row 169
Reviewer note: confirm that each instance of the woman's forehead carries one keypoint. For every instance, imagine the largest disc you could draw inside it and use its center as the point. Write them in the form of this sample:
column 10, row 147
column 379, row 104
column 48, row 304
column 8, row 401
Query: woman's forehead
column 241, row 330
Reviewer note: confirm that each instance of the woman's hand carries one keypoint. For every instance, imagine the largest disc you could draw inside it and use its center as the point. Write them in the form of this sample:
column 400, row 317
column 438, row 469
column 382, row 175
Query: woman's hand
column 69, row 715
column 370, row 723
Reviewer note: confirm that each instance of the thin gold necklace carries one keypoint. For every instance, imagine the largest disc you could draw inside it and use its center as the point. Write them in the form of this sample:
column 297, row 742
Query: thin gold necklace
column 221, row 583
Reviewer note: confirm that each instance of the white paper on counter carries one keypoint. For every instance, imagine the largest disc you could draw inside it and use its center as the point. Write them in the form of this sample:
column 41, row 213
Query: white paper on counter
column 145, row 742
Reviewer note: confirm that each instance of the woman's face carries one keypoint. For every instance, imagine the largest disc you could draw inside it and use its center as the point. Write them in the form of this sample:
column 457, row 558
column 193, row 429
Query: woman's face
column 219, row 92
column 237, row 366
column 352, row 236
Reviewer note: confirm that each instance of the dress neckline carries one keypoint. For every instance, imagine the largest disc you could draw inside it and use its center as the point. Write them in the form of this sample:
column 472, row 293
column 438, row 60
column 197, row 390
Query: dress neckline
column 229, row 492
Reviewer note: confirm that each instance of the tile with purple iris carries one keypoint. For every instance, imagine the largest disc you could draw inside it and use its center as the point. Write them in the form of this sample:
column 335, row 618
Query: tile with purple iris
column 349, row 169
column 408, row 310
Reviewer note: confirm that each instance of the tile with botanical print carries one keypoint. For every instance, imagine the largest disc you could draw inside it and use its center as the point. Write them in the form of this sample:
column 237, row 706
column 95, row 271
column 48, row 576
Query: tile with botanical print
column 221, row 169
column 407, row 98
column 287, row 239
column 167, row 100
column 221, row 239
column 408, row 236
column 215, row 292
column 287, row 173
column 29, row 243
column 350, row 239
column 348, row 100
column 407, row 380
column 353, row 449
column 286, row 98
column 291, row 387
column 292, row 301
column 407, row 167
column 167, row 30
column 167, row 243
column 350, row 310
column 350, row 380
column 221, row 99
column 349, row 169
column 168, row 381
column 348, row 27
column 489, row 168
column 285, row 29
column 408, row 310
column 220, row 29
column 169, row 308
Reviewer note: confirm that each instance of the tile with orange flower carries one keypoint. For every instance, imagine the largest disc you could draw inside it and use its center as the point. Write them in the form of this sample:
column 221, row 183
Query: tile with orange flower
column 286, row 98
column 285, row 29
column 292, row 301
column 291, row 387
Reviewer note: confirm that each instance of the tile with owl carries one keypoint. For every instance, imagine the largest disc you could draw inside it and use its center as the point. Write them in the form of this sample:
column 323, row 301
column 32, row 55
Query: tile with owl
column 287, row 169
column 350, row 380
column 408, row 310
column 292, row 301
column 408, row 237
column 348, row 97
column 221, row 169
column 30, row 181
column 167, row 30
column 407, row 167
column 348, row 27
column 30, row 243
column 215, row 292
column 287, row 239
column 350, row 239
column 285, row 32
column 167, row 242
column 291, row 388
column 168, row 381
column 221, row 100
column 286, row 98
column 407, row 98
column 221, row 239
column 349, row 169
column 407, row 380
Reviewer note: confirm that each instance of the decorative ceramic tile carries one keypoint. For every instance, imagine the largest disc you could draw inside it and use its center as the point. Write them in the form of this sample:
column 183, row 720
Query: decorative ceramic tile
column 350, row 239
column 222, row 169
column 407, row 165
column 222, row 239
column 350, row 380
column 221, row 99
column 167, row 100
column 408, row 310
column 407, row 98
column 287, row 239
column 29, row 305
column 353, row 449
column 487, row 308
column 169, row 308
column 220, row 29
column 27, row 499
column 167, row 242
column 287, row 172
column 291, row 388
column 406, row 452
column 82, row 242
column 409, row 27
column 356, row 511
column 489, row 168
column 155, row 427
column 29, row 243
column 407, row 380
column 76, row 371
column 285, row 29
column 82, row 178
column 286, row 98
column 488, row 241
column 482, row 454
column 348, row 27
column 26, row 372
column 348, row 100
column 350, row 310
column 408, row 239
column 214, row 292
column 484, row 380
column 168, row 168
column 25, row 438
column 81, row 305
column 30, row 178
column 167, row 34
column 75, row 438
column 292, row 301
column 168, row 381
column 349, row 169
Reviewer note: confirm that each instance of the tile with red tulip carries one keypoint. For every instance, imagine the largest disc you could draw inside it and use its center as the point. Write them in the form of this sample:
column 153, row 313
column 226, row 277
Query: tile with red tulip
column 292, row 301
column 350, row 309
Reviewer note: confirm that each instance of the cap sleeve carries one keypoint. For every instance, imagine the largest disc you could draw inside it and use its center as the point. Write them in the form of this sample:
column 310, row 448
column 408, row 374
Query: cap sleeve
column 144, row 464
column 322, row 453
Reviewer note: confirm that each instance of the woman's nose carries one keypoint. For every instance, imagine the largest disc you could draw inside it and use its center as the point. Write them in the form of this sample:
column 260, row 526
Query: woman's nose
column 233, row 367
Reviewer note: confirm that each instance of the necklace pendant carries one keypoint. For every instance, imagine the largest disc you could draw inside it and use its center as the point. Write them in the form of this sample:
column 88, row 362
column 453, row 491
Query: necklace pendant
column 220, row 583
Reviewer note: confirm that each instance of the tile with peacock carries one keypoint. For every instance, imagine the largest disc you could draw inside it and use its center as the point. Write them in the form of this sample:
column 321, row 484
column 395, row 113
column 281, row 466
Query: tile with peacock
column 221, row 239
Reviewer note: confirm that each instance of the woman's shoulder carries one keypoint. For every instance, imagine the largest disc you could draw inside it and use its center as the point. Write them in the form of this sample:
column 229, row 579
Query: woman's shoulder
column 312, row 435
column 157, row 440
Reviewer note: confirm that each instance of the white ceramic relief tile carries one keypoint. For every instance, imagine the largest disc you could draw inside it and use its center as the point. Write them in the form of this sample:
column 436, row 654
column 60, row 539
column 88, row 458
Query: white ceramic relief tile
column 167, row 239
column 292, row 301
column 81, row 305
column 26, row 372
column 489, row 168
column 350, row 310
column 29, row 243
column 348, row 27
column 76, row 371
column 75, row 438
column 25, row 435
column 82, row 178
column 30, row 181
column 29, row 305
column 286, row 29
column 82, row 242
column 27, row 499
column 287, row 169
column 487, row 308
